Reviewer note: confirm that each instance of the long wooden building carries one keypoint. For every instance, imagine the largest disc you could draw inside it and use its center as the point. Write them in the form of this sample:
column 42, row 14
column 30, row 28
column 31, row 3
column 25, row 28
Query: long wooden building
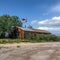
column 25, row 32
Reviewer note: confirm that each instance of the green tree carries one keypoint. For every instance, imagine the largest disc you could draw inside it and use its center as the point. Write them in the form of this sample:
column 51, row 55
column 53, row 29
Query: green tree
column 7, row 21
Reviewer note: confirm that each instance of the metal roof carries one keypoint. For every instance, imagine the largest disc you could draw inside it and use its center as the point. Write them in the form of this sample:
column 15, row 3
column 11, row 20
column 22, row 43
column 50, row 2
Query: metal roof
column 26, row 29
column 34, row 30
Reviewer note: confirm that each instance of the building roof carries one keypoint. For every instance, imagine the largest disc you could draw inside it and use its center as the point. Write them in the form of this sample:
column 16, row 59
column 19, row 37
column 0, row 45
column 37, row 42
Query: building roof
column 41, row 31
column 33, row 30
column 25, row 29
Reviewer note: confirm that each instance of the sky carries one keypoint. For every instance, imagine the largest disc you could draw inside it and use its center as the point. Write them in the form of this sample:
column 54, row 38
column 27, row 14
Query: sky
column 41, row 14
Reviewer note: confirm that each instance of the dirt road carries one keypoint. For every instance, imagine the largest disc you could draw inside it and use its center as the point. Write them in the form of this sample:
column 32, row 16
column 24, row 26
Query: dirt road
column 45, row 51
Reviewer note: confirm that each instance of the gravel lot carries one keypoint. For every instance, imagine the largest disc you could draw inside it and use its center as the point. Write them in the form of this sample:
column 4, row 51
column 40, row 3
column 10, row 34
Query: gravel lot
column 44, row 51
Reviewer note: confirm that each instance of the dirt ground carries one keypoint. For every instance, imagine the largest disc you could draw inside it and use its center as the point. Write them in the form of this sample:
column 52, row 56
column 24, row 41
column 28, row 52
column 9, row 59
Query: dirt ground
column 30, row 51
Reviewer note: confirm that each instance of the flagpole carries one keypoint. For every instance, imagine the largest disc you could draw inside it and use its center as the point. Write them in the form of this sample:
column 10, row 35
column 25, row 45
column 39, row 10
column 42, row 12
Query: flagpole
column 25, row 26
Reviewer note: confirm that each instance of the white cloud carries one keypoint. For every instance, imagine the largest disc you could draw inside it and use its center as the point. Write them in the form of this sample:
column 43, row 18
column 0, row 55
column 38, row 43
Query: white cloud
column 52, row 25
column 34, row 22
column 53, row 22
column 50, row 28
column 57, row 18
column 55, row 8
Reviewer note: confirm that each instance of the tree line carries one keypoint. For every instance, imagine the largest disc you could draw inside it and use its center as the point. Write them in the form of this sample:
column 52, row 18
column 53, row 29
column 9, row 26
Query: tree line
column 7, row 22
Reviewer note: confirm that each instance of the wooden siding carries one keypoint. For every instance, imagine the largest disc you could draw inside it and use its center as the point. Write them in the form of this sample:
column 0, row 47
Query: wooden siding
column 26, row 34
column 21, row 34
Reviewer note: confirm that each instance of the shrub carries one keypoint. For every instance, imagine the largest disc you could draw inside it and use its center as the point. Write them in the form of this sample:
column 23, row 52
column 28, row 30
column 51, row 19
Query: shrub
column 43, row 38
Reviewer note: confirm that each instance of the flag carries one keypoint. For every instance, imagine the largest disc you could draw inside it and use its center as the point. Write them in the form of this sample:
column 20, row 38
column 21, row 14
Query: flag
column 24, row 20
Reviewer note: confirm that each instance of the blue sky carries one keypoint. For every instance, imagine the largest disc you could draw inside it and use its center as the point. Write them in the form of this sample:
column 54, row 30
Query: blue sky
column 39, row 13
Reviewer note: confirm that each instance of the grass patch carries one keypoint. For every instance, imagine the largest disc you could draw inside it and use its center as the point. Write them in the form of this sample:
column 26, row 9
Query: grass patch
column 4, row 41
column 36, row 39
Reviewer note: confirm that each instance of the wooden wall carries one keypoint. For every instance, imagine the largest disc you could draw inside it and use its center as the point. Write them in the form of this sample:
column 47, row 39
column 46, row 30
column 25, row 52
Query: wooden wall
column 21, row 34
